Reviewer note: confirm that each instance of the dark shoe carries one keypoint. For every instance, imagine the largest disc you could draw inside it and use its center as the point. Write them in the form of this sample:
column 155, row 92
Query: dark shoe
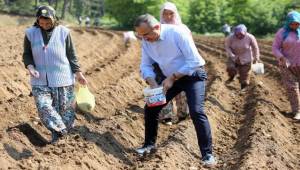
column 55, row 136
column 146, row 149
column 64, row 132
column 243, row 86
column 230, row 80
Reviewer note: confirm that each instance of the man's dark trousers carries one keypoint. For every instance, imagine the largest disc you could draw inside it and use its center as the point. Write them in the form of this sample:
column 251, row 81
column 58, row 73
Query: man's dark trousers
column 194, row 88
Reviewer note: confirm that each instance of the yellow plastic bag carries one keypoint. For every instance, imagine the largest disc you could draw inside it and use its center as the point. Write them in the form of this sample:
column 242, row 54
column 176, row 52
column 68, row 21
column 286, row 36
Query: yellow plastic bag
column 85, row 99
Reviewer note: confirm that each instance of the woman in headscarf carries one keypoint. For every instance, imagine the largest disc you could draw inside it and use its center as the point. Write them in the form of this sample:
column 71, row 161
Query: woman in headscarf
column 286, row 48
column 169, row 15
column 242, row 51
column 50, row 59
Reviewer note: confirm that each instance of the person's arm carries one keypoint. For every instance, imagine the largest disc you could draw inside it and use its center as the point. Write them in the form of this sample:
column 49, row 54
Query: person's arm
column 147, row 68
column 190, row 53
column 27, row 53
column 277, row 43
column 229, row 52
column 28, row 59
column 71, row 55
column 255, row 48
column 276, row 49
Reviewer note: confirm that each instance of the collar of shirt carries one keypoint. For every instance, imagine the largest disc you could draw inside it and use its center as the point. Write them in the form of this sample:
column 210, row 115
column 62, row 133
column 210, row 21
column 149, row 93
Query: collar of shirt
column 162, row 32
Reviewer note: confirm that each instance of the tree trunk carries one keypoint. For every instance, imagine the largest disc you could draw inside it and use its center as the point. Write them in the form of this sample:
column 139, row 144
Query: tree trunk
column 65, row 8
column 56, row 4
column 70, row 6
column 101, row 8
column 7, row 2
column 51, row 2
column 36, row 4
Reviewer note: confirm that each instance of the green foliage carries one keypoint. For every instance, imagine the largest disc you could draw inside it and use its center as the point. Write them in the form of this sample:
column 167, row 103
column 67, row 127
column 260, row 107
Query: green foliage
column 262, row 17
column 125, row 11
column 183, row 7
column 20, row 7
column 206, row 16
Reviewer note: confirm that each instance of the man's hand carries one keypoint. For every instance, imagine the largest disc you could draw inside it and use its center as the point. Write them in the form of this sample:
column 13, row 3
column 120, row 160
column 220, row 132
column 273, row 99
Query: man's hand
column 168, row 83
column 33, row 72
column 80, row 78
column 152, row 83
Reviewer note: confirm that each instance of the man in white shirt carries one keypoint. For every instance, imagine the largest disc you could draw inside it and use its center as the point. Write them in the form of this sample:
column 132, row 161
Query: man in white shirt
column 176, row 54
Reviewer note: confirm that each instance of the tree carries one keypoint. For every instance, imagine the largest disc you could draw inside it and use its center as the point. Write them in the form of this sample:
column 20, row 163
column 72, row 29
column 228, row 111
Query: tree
column 64, row 9
column 37, row 3
column 125, row 11
column 205, row 16
column 51, row 2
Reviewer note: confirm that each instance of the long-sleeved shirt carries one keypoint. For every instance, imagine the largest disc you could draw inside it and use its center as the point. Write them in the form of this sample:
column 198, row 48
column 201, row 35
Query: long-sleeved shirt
column 174, row 51
column 288, row 48
column 70, row 50
column 245, row 49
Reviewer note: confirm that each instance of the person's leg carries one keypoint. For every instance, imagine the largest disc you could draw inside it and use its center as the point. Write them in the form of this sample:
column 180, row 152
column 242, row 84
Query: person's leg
column 151, row 116
column 195, row 92
column 231, row 70
column 244, row 72
column 167, row 112
column 47, row 110
column 181, row 105
column 67, row 105
column 292, row 87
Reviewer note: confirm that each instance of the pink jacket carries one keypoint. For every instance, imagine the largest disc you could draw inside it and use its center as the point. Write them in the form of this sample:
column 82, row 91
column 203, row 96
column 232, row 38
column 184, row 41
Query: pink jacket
column 288, row 48
column 245, row 49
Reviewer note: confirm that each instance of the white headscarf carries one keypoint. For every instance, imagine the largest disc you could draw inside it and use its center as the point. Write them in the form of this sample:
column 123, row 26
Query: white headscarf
column 172, row 7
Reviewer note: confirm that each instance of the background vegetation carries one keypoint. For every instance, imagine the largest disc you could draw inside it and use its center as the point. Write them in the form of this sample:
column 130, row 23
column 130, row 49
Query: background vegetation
column 262, row 17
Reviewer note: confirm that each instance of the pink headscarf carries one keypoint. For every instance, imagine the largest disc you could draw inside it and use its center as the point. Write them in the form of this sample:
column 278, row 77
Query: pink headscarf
column 170, row 6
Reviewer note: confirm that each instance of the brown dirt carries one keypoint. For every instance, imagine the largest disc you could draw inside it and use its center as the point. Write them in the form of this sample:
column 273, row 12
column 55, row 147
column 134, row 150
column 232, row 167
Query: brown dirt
column 250, row 129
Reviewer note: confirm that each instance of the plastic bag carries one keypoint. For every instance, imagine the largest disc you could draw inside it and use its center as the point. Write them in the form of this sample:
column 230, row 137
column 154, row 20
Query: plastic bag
column 129, row 36
column 258, row 68
column 85, row 99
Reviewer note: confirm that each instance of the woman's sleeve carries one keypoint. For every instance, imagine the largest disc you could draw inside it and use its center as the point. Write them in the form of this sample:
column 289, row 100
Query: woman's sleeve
column 277, row 43
column 71, row 55
column 27, row 53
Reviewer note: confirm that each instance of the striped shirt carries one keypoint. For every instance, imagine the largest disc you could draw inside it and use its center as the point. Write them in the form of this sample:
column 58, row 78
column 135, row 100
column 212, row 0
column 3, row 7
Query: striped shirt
column 50, row 60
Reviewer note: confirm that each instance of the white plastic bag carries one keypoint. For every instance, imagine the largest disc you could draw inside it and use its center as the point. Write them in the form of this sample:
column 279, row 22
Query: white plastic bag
column 258, row 68
column 128, row 36
column 85, row 99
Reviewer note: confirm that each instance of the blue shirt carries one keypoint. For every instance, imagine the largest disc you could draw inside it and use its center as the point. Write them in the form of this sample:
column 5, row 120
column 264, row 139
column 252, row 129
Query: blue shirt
column 174, row 51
